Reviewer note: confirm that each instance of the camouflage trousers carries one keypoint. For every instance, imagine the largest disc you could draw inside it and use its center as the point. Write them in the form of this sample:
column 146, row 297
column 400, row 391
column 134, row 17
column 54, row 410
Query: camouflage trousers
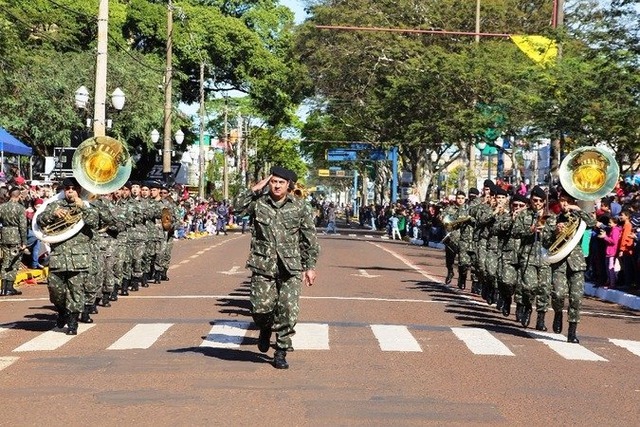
column 508, row 282
column 280, row 296
column 93, row 281
column 491, row 269
column 150, row 253
column 566, row 281
column 108, row 250
column 163, row 257
column 11, row 257
column 66, row 290
column 536, row 284
column 137, row 249
column 123, row 260
column 481, row 260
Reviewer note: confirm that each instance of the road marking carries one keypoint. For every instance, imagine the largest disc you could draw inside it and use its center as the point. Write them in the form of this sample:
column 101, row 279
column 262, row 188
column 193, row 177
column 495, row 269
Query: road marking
column 194, row 256
column 632, row 346
column 395, row 338
column 363, row 273
column 7, row 361
column 234, row 270
column 352, row 235
column 51, row 340
column 311, row 336
column 142, row 335
column 570, row 351
column 226, row 334
column 368, row 236
column 480, row 341
column 409, row 264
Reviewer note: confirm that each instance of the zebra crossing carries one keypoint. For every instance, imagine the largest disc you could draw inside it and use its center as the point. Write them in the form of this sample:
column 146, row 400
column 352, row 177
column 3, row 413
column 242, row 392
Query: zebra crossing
column 230, row 334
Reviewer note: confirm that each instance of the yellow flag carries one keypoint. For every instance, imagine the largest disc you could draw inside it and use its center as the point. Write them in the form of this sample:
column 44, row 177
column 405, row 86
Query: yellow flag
column 540, row 49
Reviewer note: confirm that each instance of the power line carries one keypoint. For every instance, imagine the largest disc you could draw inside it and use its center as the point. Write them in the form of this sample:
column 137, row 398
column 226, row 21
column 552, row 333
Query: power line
column 409, row 30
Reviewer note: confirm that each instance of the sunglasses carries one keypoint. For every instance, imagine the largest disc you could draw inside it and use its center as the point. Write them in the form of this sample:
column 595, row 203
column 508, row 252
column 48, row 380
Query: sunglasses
column 519, row 205
column 536, row 200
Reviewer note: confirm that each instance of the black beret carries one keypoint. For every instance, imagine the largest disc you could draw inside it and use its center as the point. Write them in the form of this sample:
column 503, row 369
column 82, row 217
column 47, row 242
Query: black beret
column 144, row 184
column 474, row 192
column 492, row 189
column 460, row 193
column 285, row 173
column 70, row 182
column 488, row 183
column 138, row 183
column 520, row 198
column 538, row 192
column 501, row 191
column 128, row 185
column 154, row 184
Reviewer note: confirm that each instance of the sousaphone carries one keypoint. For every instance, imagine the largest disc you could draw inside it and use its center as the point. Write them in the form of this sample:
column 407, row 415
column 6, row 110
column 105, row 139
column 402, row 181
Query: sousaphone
column 101, row 165
column 587, row 174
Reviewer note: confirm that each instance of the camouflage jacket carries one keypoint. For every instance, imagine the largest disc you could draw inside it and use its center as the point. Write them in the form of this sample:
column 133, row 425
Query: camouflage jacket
column 532, row 244
column 282, row 232
column 106, row 220
column 509, row 244
column 73, row 254
column 14, row 224
column 482, row 216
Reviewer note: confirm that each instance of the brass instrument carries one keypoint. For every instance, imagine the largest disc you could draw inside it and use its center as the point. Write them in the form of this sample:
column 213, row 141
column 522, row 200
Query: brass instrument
column 300, row 191
column 101, row 165
column 450, row 223
column 587, row 174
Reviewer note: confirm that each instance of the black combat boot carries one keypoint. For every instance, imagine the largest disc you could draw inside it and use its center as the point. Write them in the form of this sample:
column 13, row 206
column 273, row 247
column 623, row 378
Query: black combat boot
column 104, row 301
column 72, row 324
column 164, row 275
column 571, row 334
column 114, row 294
column 462, row 278
column 540, row 326
column 9, row 289
column 93, row 308
column 519, row 312
column 135, row 284
column 449, row 278
column 3, row 290
column 157, row 276
column 84, row 316
column 557, row 322
column 145, row 280
column 280, row 359
column 506, row 306
column 264, row 321
column 499, row 300
column 61, row 321
column 124, row 290
column 526, row 315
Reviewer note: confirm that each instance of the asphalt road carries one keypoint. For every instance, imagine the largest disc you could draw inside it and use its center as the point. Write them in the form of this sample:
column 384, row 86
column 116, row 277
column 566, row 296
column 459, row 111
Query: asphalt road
column 381, row 341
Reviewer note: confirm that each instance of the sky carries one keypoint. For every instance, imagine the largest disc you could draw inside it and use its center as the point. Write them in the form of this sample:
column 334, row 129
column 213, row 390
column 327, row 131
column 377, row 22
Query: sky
column 298, row 9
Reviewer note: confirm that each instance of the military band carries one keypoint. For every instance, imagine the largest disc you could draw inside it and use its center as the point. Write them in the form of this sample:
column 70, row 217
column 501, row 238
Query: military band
column 504, row 242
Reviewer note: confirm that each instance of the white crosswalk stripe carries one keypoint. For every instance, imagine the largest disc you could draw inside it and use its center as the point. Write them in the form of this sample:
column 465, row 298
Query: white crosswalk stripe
column 140, row 336
column 7, row 361
column 311, row 336
column 226, row 334
column 395, row 338
column 570, row 351
column 52, row 340
column 480, row 341
column 632, row 346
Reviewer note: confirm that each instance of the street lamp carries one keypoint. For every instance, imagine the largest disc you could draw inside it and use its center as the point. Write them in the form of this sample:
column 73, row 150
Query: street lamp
column 81, row 98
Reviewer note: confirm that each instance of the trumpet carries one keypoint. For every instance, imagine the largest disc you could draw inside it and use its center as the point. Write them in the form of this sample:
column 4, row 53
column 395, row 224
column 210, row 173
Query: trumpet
column 451, row 223
column 300, row 191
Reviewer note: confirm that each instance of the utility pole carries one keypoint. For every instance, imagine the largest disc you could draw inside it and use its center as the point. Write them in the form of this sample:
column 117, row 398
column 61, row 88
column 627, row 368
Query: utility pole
column 99, row 106
column 166, row 151
column 471, row 150
column 557, row 144
column 225, row 163
column 201, row 159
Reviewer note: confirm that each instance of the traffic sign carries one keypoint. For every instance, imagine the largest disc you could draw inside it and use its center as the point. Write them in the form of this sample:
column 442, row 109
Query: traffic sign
column 324, row 172
column 335, row 155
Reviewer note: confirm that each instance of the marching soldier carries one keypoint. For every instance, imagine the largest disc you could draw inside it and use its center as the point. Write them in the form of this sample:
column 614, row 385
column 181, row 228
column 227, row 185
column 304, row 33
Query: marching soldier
column 164, row 256
column 13, row 240
column 150, row 193
column 106, row 240
column 499, row 203
column 508, row 269
column 451, row 241
column 568, row 273
column 137, row 236
column 535, row 229
column 481, row 216
column 70, row 259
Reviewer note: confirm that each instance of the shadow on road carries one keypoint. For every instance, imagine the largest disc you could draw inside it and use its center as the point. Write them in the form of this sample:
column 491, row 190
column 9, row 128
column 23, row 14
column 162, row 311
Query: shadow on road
column 237, row 306
column 226, row 354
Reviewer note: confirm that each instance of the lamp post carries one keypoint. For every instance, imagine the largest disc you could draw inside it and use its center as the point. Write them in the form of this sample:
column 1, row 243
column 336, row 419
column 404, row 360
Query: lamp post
column 81, row 97
column 166, row 152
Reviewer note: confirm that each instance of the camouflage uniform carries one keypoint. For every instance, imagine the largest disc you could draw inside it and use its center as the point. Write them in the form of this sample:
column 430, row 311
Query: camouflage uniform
column 163, row 260
column 13, row 237
column 451, row 240
column 283, row 246
column 508, row 264
column 70, row 260
column 105, row 242
column 137, row 241
column 535, row 272
column 153, row 213
column 482, row 216
column 122, row 268
column 568, row 275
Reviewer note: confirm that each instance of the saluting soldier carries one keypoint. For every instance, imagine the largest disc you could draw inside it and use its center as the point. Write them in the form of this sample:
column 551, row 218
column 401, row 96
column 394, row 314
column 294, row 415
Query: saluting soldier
column 535, row 227
column 70, row 259
column 568, row 273
column 13, row 239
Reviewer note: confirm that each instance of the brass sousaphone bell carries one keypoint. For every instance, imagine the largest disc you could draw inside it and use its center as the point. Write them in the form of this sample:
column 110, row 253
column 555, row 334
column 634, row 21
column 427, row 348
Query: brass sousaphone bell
column 587, row 174
column 101, row 165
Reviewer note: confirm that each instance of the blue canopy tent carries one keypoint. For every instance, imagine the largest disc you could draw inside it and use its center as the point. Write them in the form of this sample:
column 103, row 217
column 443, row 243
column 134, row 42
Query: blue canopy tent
column 11, row 145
